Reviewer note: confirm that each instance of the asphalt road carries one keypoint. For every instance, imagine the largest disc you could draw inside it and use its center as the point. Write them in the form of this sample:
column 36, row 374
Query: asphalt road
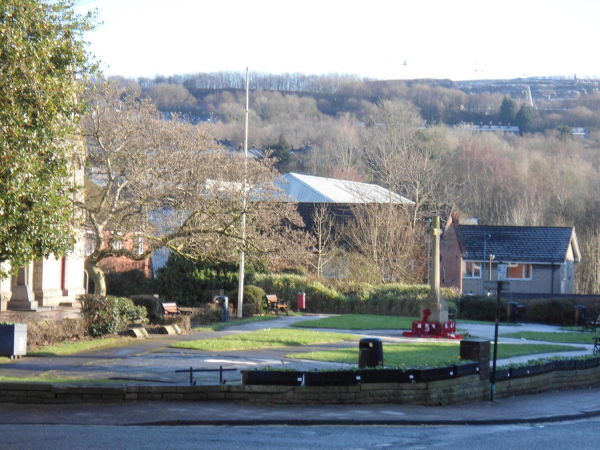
column 577, row 434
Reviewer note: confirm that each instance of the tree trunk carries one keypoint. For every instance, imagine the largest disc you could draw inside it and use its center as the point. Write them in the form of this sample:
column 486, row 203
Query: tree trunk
column 97, row 276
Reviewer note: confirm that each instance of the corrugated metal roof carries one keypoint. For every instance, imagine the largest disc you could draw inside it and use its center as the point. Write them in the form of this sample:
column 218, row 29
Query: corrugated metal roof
column 308, row 189
column 518, row 244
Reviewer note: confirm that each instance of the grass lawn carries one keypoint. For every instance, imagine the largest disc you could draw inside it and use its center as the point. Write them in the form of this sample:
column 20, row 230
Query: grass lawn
column 570, row 338
column 57, row 380
column 359, row 322
column 429, row 353
column 271, row 338
column 71, row 348
column 233, row 322
column 373, row 322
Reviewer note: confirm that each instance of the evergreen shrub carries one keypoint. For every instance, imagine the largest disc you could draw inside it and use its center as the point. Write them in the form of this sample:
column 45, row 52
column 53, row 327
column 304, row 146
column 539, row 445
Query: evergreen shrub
column 189, row 284
column 253, row 295
column 151, row 303
column 128, row 283
column 109, row 315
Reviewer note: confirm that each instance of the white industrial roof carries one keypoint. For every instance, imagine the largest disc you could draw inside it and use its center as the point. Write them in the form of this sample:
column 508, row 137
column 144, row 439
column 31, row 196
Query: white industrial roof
column 308, row 189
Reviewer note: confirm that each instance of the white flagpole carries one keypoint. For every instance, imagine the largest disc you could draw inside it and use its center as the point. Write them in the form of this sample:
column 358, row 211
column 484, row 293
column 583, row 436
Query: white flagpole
column 241, row 276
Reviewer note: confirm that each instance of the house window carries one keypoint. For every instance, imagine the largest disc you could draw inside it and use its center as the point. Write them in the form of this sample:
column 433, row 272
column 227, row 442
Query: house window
column 117, row 241
column 471, row 269
column 139, row 245
column 517, row 271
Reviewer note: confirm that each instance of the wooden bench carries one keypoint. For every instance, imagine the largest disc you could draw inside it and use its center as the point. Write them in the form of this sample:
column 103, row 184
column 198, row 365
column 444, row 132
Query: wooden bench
column 591, row 324
column 272, row 304
column 173, row 309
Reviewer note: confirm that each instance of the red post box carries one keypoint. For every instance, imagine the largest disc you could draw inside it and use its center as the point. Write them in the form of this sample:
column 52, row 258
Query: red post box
column 301, row 300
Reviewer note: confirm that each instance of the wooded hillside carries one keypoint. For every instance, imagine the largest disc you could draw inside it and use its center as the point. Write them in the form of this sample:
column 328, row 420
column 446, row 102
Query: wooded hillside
column 403, row 135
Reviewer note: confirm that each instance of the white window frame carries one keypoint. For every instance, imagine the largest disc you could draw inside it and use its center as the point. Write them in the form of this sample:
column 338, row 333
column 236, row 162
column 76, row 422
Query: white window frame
column 524, row 266
column 139, row 244
column 471, row 276
column 117, row 244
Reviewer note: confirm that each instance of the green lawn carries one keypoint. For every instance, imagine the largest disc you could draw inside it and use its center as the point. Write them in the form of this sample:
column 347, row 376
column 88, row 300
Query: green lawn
column 570, row 338
column 373, row 322
column 429, row 353
column 57, row 380
column 79, row 346
column 270, row 338
column 359, row 322
column 233, row 322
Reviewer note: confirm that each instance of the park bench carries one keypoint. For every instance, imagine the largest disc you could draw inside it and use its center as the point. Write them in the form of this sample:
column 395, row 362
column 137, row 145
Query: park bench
column 172, row 309
column 272, row 304
column 591, row 323
column 452, row 314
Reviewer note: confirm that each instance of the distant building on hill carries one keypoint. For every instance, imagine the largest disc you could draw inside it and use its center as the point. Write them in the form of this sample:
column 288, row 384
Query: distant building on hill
column 506, row 129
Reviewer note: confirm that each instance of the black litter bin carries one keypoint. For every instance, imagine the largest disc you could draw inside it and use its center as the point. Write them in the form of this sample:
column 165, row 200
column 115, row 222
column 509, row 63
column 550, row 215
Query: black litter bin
column 512, row 311
column 580, row 315
column 223, row 302
column 370, row 353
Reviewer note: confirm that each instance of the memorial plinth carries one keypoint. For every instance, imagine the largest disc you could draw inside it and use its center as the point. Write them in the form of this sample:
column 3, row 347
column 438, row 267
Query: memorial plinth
column 434, row 309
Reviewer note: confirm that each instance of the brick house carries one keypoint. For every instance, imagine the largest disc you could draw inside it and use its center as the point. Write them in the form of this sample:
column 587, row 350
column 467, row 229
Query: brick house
column 540, row 260
column 122, row 264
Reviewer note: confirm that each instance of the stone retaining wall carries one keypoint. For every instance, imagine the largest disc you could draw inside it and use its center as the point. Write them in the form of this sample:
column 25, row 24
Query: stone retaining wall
column 455, row 390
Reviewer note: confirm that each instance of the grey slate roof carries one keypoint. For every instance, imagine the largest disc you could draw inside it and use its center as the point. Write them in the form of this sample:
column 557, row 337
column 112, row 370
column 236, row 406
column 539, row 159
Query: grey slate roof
column 518, row 244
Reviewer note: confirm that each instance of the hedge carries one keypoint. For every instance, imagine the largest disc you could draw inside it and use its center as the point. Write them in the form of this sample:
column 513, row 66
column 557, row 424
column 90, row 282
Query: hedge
column 386, row 299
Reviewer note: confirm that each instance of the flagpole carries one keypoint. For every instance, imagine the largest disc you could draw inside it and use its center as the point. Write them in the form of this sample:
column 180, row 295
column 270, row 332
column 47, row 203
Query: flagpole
column 242, row 255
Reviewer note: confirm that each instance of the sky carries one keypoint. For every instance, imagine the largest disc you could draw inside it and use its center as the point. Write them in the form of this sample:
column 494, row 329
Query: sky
column 455, row 39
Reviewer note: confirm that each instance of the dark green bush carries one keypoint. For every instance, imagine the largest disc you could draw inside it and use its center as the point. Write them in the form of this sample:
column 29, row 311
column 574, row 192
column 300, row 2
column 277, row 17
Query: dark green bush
column 109, row 315
column 550, row 311
column 480, row 308
column 189, row 283
column 126, row 284
column 253, row 295
column 151, row 303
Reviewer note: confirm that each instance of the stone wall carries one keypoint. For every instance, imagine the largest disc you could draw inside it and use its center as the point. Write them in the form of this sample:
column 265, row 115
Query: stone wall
column 452, row 391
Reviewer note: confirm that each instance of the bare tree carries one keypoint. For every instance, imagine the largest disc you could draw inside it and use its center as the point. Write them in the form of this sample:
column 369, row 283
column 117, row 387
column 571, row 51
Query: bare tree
column 382, row 234
column 399, row 156
column 166, row 182
column 325, row 237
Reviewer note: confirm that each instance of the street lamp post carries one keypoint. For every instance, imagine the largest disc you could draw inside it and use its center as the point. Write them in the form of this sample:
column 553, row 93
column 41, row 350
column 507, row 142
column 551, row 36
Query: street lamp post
column 486, row 236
